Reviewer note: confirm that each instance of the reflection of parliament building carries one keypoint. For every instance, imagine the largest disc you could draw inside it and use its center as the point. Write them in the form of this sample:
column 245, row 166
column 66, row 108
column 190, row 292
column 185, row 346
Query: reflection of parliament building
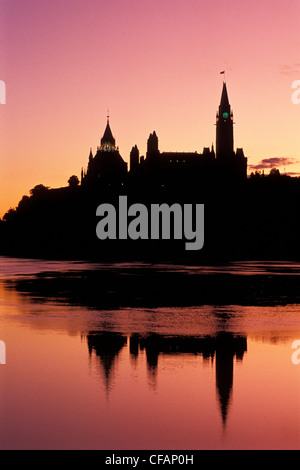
column 223, row 349
column 107, row 165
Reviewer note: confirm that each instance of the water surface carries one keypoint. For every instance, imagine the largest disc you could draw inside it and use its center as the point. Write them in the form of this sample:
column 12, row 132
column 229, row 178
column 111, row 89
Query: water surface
column 137, row 356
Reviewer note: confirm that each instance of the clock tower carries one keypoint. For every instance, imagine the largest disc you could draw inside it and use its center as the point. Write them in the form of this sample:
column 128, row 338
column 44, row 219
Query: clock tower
column 224, row 137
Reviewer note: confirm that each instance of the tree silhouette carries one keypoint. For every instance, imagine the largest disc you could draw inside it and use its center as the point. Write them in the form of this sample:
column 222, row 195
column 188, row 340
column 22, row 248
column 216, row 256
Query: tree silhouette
column 73, row 181
column 10, row 215
column 24, row 203
column 39, row 190
column 274, row 172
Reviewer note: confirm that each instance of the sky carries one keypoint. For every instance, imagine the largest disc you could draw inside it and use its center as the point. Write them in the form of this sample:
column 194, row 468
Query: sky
column 153, row 65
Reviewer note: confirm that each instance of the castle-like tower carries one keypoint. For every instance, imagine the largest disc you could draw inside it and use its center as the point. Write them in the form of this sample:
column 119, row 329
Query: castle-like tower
column 108, row 142
column 224, row 137
column 152, row 146
column 107, row 165
column 232, row 163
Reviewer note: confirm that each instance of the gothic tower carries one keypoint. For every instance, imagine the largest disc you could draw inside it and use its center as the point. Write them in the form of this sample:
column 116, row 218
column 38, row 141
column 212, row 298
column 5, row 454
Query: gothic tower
column 134, row 158
column 107, row 165
column 224, row 137
column 108, row 142
column 152, row 146
column 230, row 163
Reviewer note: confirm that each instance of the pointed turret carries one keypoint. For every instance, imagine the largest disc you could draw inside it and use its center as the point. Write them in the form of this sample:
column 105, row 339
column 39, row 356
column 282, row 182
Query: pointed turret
column 108, row 142
column 224, row 104
column 106, row 165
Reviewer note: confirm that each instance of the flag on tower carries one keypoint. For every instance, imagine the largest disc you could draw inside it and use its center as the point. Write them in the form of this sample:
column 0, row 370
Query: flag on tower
column 222, row 71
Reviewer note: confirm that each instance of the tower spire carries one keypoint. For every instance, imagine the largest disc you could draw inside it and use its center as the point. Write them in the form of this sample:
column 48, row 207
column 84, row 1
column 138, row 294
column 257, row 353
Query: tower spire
column 224, row 137
column 108, row 142
column 224, row 103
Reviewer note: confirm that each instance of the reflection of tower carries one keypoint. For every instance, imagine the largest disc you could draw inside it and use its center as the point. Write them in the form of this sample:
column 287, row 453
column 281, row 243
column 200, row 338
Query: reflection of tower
column 227, row 346
column 106, row 346
column 224, row 347
column 151, row 345
column 224, row 379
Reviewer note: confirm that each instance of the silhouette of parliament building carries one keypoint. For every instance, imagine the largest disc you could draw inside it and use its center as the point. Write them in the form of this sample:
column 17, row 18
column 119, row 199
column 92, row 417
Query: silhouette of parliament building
column 245, row 218
column 107, row 165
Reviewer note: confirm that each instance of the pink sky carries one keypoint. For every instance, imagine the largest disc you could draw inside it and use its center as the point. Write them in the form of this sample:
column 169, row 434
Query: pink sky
column 156, row 65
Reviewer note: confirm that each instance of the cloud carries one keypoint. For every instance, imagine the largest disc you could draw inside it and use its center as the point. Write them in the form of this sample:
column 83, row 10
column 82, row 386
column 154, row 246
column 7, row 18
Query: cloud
column 274, row 162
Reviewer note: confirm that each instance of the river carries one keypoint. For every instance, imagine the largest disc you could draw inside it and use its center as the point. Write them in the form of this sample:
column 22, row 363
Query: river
column 138, row 356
